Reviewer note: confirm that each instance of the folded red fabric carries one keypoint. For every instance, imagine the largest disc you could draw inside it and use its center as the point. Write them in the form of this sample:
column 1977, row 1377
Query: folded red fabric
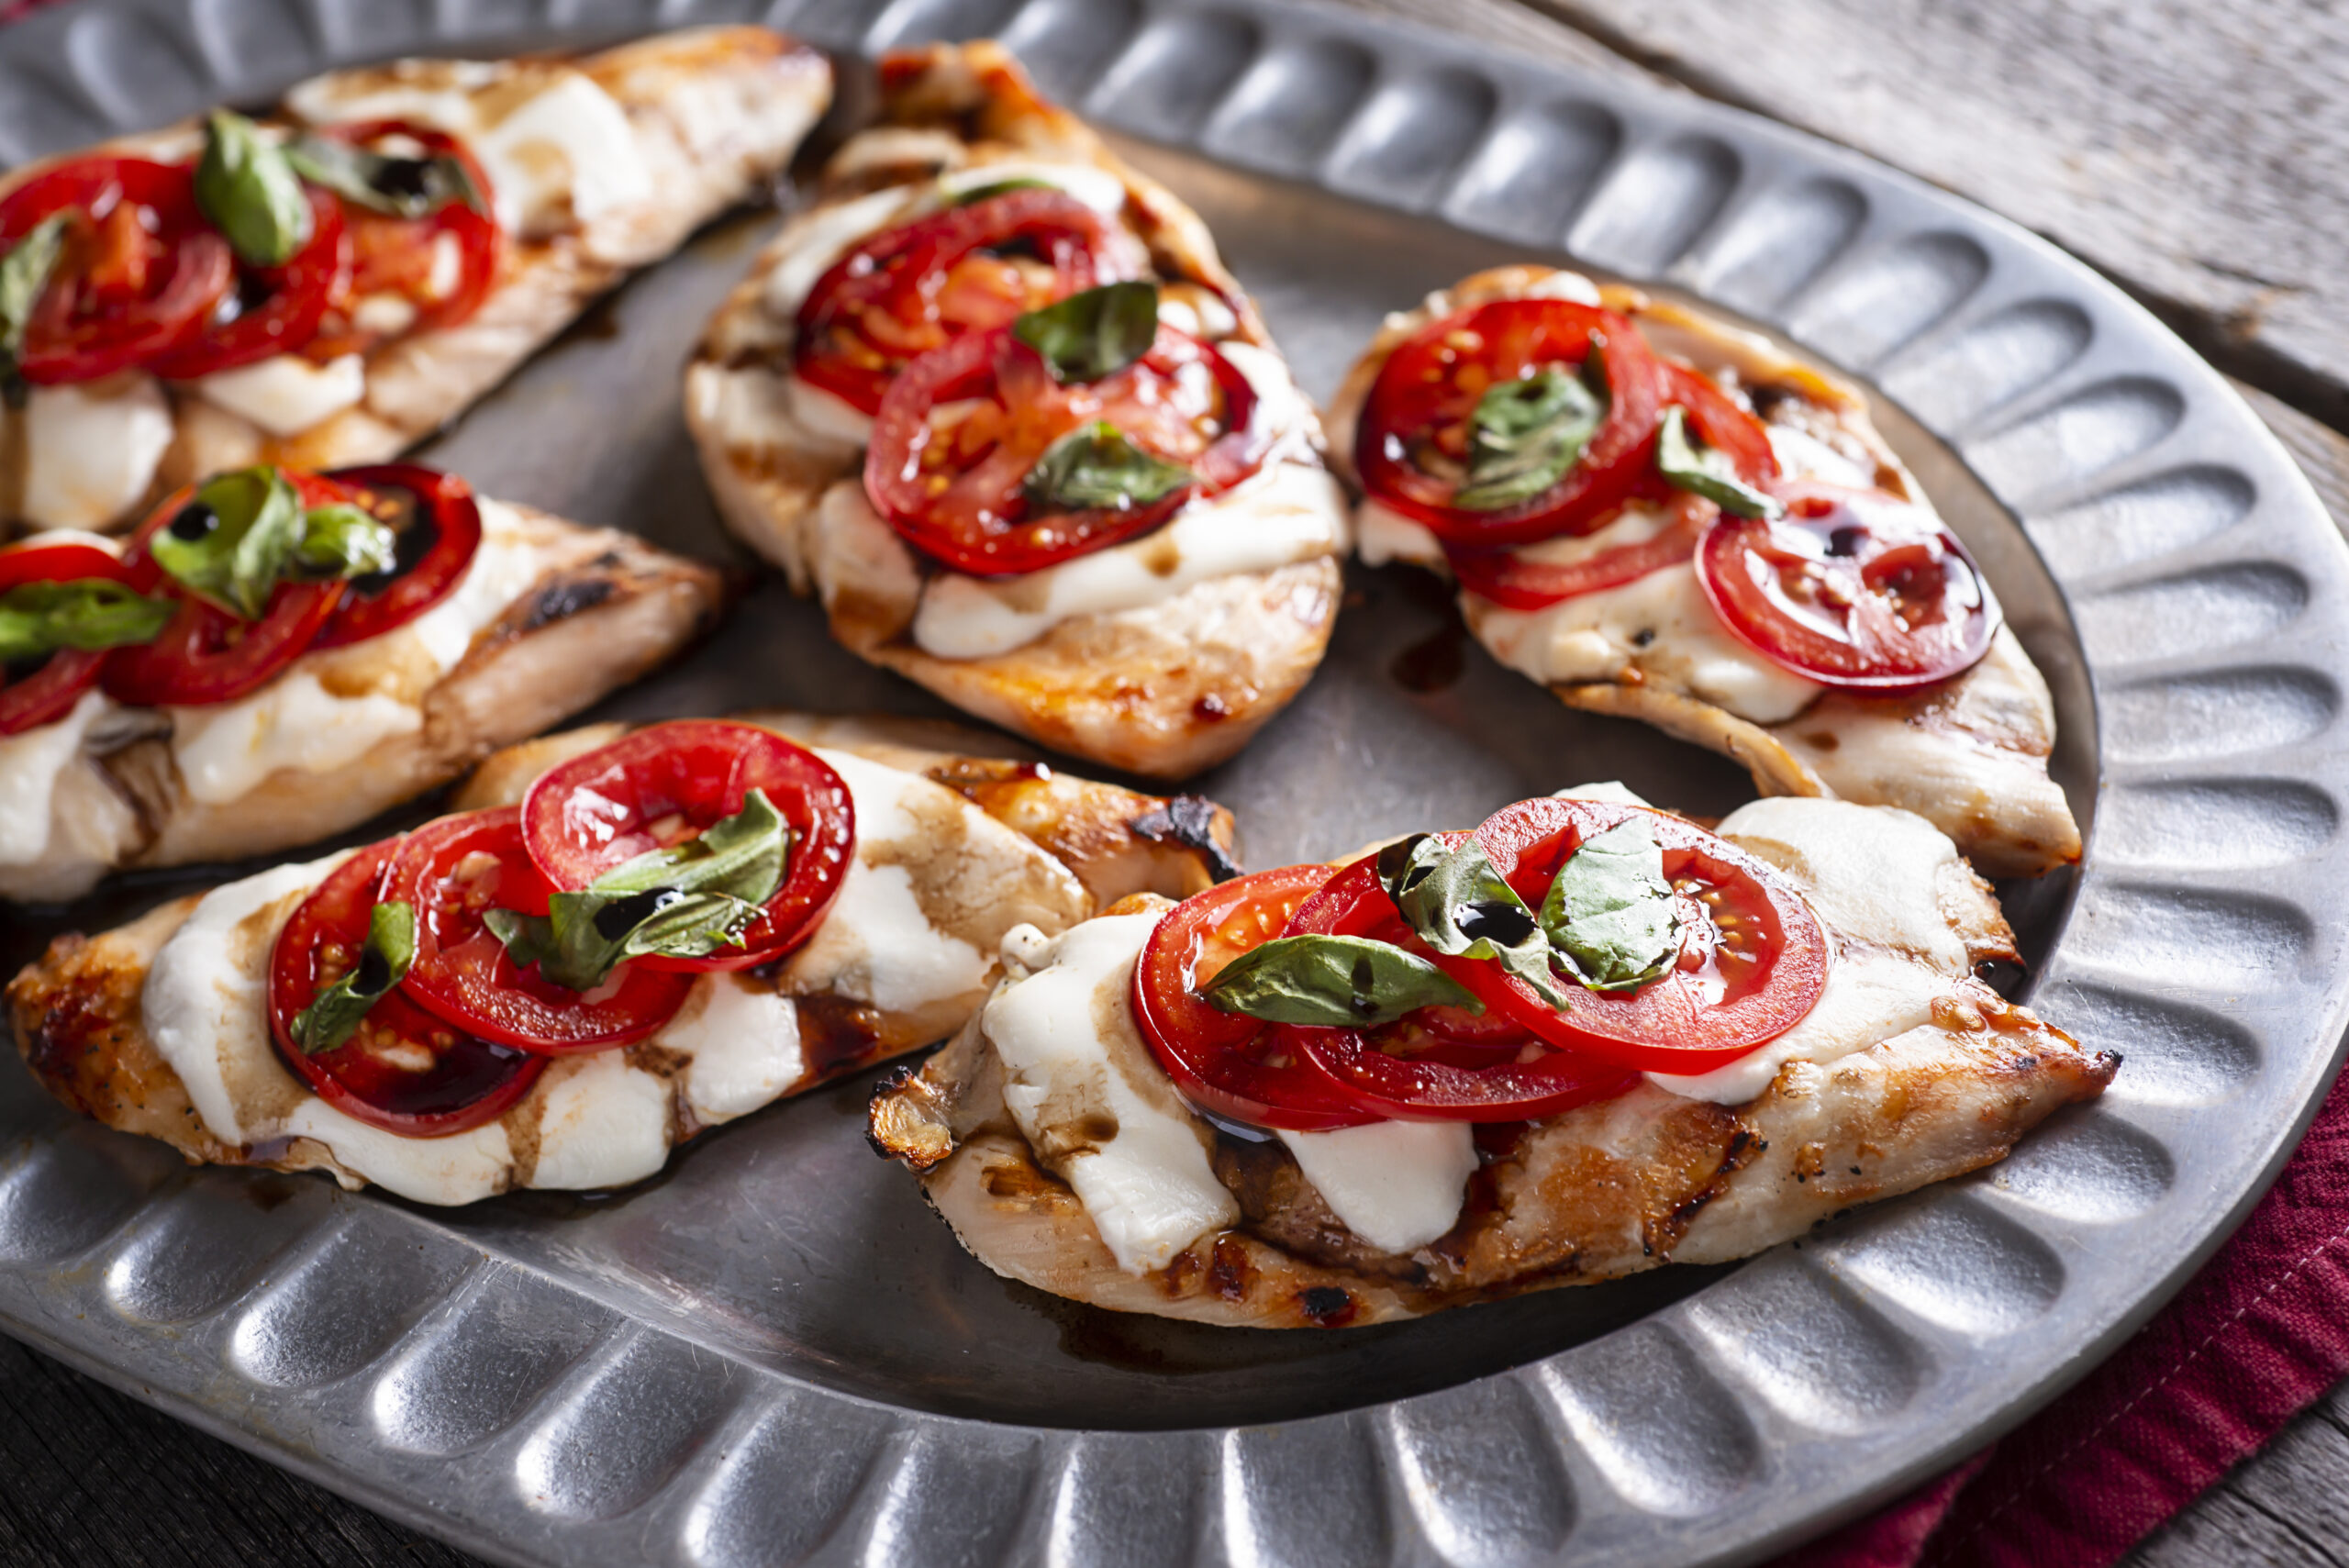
column 2249, row 1344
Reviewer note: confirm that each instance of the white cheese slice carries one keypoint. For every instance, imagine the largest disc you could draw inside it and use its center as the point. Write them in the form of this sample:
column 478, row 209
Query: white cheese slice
column 743, row 1037
column 90, row 449
column 1802, row 455
column 1613, row 792
column 1872, row 993
column 1397, row 1185
column 825, row 415
column 463, row 1167
column 1870, row 872
column 31, row 762
column 226, row 750
column 285, row 394
column 603, row 1123
column 1095, row 1107
column 1382, row 535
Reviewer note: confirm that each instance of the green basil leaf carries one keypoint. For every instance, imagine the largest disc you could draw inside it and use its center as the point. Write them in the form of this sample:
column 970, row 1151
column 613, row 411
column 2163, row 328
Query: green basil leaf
column 341, row 540
column 1688, row 464
column 1460, row 907
column 23, row 274
column 1099, row 465
column 89, row 614
column 742, row 856
column 1097, row 333
column 247, row 186
column 1003, row 188
column 1340, row 982
column 334, row 1014
column 385, row 182
column 1608, row 915
column 1525, row 434
column 233, row 541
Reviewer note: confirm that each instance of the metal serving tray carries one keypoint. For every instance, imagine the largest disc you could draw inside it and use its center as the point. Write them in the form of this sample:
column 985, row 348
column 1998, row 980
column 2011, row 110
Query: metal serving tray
column 773, row 1353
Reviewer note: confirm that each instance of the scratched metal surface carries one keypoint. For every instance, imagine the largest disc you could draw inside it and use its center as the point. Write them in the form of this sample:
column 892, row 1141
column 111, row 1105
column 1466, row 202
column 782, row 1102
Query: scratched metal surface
column 775, row 1353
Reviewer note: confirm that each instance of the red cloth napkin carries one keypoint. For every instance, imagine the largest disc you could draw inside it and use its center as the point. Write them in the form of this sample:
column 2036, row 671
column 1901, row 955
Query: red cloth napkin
column 2250, row 1341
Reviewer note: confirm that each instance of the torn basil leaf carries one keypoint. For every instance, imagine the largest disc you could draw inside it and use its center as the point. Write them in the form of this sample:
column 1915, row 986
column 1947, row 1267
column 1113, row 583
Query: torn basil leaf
column 1525, row 434
column 1460, row 907
column 335, row 1014
column 1688, row 464
column 23, row 274
column 1608, row 915
column 383, row 182
column 977, row 193
column 1100, row 465
column 233, row 540
column 687, row 901
column 1337, row 982
column 88, row 614
column 1094, row 334
column 341, row 540
column 248, row 188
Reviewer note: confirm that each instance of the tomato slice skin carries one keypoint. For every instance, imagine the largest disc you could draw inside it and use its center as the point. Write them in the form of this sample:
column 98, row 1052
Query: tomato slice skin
column 1510, row 580
column 454, row 871
column 1721, row 424
column 390, row 254
column 1854, row 589
column 1729, row 993
column 472, row 1081
column 912, row 289
column 1429, row 386
column 590, row 813
column 1225, row 1061
column 142, row 272
column 966, row 508
column 441, row 503
column 47, row 692
column 292, row 301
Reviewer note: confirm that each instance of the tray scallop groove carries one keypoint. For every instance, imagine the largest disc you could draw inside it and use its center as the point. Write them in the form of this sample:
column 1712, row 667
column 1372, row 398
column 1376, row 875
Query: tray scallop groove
column 535, row 1413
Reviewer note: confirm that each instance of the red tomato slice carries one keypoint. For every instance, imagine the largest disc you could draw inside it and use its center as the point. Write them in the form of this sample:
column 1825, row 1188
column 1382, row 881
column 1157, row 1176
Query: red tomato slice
column 273, row 310
column 1224, row 1062
column 142, row 271
column 405, row 1071
column 1752, row 956
column 969, row 269
column 662, row 785
column 962, row 426
column 443, row 264
column 456, row 870
column 1413, row 446
column 45, row 692
column 1438, row 1063
column 1721, row 424
column 1851, row 588
column 206, row 654
column 1511, row 580
column 439, row 523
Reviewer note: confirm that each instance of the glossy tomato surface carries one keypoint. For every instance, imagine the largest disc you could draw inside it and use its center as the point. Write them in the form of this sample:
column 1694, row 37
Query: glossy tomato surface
column 45, row 692
column 963, row 428
column 441, row 266
column 912, row 289
column 1413, row 446
column 438, row 520
column 1851, row 588
column 273, row 310
column 668, row 783
column 406, row 1070
column 1229, row 1063
column 454, row 871
column 1517, row 580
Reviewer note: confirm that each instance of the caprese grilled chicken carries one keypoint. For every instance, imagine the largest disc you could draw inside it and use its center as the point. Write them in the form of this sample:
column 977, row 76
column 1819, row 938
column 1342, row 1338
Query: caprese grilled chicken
column 273, row 656
column 1657, row 515
column 617, row 945
column 1588, row 1038
column 329, row 284
column 998, row 403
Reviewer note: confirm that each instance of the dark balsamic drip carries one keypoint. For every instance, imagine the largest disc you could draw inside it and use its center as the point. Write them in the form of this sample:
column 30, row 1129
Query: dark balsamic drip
column 196, row 520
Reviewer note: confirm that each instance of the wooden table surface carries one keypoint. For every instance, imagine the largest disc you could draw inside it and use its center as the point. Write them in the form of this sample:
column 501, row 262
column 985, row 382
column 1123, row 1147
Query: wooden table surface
column 2195, row 153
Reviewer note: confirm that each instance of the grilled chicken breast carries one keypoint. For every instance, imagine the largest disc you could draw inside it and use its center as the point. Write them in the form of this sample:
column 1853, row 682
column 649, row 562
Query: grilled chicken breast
column 1113, row 1191
column 158, row 1027
column 600, row 164
column 1969, row 754
column 1159, row 656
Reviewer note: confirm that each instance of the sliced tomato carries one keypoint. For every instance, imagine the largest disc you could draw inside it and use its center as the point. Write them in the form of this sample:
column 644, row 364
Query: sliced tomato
column 140, row 275
column 1227, row 1062
column 43, row 692
column 1752, row 956
column 206, row 654
column 1513, row 580
column 438, row 520
column 273, row 310
column 406, row 1070
column 454, row 871
column 908, row 290
column 1412, row 445
column 1437, row 1063
column 1851, row 588
column 1720, row 424
column 432, row 271
column 963, row 428
column 666, row 784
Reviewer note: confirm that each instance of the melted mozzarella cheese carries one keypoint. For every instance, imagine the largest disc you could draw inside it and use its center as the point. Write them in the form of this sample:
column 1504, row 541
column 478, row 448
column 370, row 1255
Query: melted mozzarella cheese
column 1614, row 792
column 225, row 751
column 1397, row 1185
column 285, row 394
column 601, row 1123
column 1871, row 995
column 809, row 245
column 463, row 1167
column 743, row 1037
column 91, row 450
column 825, row 415
column 501, row 571
column 1382, row 535
column 1094, row 186
column 31, row 762
column 1092, row 1103
column 1802, row 455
